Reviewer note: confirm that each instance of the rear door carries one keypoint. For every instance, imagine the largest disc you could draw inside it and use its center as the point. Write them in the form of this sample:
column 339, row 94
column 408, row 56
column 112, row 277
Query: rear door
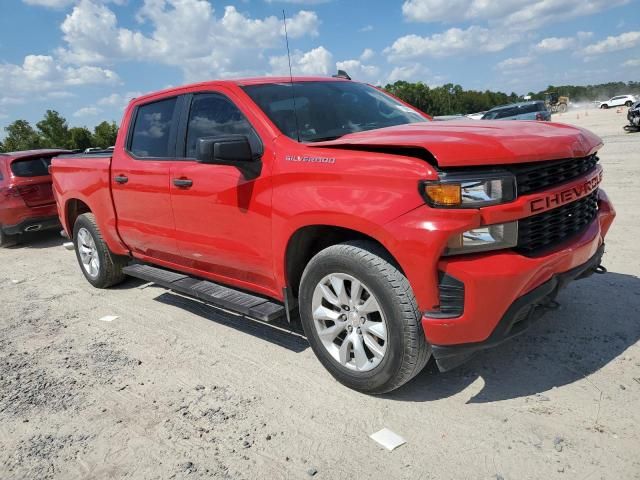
column 140, row 179
column 223, row 220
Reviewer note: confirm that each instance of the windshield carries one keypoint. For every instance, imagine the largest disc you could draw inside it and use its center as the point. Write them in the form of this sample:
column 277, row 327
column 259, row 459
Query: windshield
column 329, row 110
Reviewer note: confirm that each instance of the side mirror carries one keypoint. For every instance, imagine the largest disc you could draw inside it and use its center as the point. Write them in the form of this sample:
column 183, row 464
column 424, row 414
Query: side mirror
column 234, row 150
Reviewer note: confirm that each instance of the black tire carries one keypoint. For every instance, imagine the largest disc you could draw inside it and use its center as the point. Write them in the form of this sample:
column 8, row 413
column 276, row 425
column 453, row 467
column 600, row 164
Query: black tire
column 110, row 265
column 604, row 106
column 407, row 350
column 628, row 104
column 8, row 240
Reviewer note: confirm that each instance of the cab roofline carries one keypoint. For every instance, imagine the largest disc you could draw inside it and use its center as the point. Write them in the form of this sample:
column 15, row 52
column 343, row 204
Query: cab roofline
column 237, row 82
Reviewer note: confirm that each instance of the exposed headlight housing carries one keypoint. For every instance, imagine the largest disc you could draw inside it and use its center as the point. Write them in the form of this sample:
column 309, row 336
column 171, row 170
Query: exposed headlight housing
column 481, row 239
column 469, row 190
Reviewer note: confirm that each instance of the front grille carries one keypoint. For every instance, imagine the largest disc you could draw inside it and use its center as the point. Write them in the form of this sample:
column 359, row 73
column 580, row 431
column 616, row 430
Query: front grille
column 547, row 229
column 533, row 177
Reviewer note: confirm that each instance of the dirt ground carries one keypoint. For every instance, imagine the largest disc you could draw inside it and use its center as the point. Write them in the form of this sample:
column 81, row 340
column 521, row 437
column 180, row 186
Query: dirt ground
column 176, row 389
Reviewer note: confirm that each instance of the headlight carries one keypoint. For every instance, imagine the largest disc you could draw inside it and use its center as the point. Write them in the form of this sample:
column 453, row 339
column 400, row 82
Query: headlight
column 490, row 237
column 469, row 190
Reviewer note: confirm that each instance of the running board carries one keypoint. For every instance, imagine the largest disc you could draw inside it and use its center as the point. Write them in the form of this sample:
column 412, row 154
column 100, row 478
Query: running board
column 209, row 292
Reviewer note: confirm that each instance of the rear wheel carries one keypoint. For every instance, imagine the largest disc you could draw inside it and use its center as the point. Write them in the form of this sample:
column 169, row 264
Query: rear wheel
column 604, row 106
column 8, row 240
column 361, row 318
column 562, row 108
column 100, row 267
column 628, row 103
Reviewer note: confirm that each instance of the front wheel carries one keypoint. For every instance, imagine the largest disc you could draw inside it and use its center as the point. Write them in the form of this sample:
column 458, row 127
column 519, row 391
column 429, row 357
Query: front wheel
column 100, row 267
column 604, row 106
column 361, row 318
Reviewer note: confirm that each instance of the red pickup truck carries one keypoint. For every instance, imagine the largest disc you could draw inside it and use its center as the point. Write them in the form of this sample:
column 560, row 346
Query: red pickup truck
column 397, row 237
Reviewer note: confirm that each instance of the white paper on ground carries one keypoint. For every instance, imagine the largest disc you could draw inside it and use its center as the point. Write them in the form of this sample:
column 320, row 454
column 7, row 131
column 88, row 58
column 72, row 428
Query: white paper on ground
column 388, row 439
column 109, row 318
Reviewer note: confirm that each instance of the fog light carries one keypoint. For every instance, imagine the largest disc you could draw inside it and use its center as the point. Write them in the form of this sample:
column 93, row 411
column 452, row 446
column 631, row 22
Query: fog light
column 489, row 237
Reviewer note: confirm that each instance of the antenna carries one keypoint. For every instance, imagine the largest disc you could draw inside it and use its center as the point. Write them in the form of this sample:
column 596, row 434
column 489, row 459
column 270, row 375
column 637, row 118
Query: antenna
column 293, row 94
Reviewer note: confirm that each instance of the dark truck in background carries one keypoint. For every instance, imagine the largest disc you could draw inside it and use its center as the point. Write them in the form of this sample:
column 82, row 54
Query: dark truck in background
column 397, row 237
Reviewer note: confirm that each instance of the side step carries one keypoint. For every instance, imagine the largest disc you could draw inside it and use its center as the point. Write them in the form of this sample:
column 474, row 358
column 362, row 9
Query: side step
column 209, row 292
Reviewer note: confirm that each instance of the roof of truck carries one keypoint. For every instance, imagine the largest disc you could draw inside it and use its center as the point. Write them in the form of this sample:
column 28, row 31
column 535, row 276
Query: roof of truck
column 242, row 82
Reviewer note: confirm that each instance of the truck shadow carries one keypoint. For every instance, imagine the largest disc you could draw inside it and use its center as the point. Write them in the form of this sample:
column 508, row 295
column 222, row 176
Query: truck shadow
column 39, row 240
column 279, row 333
column 598, row 320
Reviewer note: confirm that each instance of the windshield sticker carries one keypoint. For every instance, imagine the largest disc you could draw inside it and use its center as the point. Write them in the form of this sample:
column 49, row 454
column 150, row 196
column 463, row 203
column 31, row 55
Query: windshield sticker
column 309, row 159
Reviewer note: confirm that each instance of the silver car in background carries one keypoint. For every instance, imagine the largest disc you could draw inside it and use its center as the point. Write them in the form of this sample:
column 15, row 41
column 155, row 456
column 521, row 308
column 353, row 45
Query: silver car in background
column 533, row 110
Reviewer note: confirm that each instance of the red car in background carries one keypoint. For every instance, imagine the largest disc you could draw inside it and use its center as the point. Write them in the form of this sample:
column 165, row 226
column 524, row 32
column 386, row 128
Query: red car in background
column 26, row 198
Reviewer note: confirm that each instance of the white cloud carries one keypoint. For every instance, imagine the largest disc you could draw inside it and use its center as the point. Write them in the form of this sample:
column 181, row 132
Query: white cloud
column 359, row 71
column 300, row 2
column 118, row 100
column 525, row 14
column 183, row 33
column 366, row 28
column 634, row 62
column 514, row 63
column 410, row 73
column 555, row 44
column 612, row 44
column 87, row 112
column 317, row 61
column 450, row 42
column 367, row 54
column 42, row 73
column 50, row 3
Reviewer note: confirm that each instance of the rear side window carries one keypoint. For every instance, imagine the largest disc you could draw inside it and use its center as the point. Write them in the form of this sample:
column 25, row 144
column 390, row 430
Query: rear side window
column 530, row 108
column 31, row 167
column 214, row 115
column 151, row 132
column 507, row 112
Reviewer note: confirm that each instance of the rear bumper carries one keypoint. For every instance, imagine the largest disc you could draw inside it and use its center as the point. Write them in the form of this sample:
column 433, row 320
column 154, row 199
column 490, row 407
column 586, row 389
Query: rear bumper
column 32, row 224
column 519, row 316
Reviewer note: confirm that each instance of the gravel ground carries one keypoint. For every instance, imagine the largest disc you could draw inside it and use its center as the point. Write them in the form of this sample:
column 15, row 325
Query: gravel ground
column 176, row 389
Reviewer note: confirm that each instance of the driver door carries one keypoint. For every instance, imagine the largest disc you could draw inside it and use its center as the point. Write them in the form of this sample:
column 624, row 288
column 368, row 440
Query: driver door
column 223, row 220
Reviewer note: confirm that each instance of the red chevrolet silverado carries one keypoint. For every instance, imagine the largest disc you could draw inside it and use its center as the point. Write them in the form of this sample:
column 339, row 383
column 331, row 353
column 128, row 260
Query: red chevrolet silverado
column 26, row 199
column 398, row 238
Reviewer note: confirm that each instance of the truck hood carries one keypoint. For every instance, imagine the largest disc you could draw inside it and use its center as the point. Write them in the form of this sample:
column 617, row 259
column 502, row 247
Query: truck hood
column 478, row 142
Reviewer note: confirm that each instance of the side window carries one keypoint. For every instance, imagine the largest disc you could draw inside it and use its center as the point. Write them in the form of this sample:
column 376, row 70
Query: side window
column 529, row 108
column 213, row 115
column 507, row 112
column 150, row 137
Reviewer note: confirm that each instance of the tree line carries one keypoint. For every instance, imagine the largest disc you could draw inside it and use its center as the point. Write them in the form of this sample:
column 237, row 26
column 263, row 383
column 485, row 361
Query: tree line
column 53, row 131
column 452, row 99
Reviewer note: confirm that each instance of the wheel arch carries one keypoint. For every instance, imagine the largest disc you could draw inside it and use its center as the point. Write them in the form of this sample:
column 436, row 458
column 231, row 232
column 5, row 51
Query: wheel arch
column 74, row 207
column 308, row 240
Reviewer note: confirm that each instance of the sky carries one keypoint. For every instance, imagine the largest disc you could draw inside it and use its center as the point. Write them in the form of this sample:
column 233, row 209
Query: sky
column 87, row 58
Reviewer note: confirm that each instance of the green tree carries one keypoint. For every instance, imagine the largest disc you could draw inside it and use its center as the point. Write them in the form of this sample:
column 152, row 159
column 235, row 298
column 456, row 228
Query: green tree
column 54, row 130
column 80, row 138
column 21, row 136
column 104, row 134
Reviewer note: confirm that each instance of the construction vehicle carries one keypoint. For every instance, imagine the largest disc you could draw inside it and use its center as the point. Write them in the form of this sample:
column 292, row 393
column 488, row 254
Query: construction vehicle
column 555, row 103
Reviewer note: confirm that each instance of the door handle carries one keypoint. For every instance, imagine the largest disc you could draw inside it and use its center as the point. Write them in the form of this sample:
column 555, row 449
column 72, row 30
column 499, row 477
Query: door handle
column 121, row 179
column 182, row 182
